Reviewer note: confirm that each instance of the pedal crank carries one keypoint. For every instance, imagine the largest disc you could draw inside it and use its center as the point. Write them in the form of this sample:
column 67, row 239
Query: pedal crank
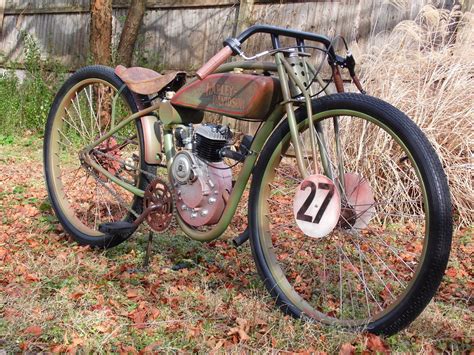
column 157, row 211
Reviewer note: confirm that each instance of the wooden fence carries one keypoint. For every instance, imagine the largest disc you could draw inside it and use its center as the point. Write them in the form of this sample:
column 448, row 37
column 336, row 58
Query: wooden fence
column 182, row 34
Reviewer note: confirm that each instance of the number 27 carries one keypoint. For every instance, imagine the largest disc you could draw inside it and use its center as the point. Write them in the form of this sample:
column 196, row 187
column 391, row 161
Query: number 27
column 301, row 215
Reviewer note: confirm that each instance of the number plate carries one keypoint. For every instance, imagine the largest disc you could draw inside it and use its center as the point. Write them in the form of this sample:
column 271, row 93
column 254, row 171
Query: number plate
column 317, row 206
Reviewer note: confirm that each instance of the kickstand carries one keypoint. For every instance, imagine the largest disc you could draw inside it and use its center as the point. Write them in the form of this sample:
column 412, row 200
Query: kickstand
column 146, row 259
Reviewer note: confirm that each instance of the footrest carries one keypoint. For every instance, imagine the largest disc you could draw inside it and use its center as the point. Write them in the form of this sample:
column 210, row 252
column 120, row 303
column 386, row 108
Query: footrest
column 120, row 227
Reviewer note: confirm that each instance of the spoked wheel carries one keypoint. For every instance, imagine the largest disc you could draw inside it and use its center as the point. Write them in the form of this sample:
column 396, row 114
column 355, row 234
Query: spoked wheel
column 377, row 264
column 82, row 197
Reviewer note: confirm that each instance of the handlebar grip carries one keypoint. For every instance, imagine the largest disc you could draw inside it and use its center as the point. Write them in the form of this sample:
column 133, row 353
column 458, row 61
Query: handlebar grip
column 213, row 63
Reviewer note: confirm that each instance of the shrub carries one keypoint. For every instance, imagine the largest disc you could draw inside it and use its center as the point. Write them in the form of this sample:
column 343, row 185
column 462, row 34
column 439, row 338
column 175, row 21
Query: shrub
column 24, row 104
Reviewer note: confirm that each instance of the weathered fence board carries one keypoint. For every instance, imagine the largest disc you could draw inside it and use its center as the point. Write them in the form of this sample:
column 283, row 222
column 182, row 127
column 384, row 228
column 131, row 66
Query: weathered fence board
column 182, row 34
column 65, row 37
column 14, row 7
column 187, row 36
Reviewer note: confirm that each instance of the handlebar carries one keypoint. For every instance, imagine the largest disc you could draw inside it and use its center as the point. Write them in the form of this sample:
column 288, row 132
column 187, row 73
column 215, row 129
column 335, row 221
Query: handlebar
column 213, row 63
column 281, row 31
column 232, row 45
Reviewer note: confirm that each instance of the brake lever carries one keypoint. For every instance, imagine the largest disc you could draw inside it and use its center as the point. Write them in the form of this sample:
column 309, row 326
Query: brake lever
column 349, row 63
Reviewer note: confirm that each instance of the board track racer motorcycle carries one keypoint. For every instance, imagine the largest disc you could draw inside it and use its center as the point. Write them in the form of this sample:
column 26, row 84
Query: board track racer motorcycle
column 349, row 211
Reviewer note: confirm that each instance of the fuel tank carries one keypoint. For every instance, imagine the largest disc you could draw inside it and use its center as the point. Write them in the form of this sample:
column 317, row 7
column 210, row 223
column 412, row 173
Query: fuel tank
column 230, row 94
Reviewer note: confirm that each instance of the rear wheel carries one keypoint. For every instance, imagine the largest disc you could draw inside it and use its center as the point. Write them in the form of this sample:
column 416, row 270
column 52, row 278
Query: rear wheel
column 81, row 197
column 383, row 261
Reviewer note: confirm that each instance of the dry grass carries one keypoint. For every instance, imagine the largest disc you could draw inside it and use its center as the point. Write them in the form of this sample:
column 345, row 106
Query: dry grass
column 426, row 69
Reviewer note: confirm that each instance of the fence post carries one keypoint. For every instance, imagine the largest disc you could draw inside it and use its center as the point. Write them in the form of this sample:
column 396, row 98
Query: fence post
column 2, row 12
column 245, row 9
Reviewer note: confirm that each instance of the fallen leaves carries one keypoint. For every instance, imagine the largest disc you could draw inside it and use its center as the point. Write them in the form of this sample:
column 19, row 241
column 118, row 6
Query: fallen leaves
column 376, row 344
column 70, row 347
column 206, row 307
column 132, row 293
column 143, row 315
column 76, row 295
column 240, row 331
column 33, row 330
column 347, row 349
column 151, row 348
column 371, row 343
column 138, row 316
column 451, row 272
column 3, row 254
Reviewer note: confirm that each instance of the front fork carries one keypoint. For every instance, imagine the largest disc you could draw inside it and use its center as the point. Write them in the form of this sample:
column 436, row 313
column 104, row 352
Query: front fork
column 289, row 82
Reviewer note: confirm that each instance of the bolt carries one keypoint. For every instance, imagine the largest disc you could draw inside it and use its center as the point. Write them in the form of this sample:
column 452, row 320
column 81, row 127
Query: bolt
column 212, row 200
column 204, row 213
column 183, row 207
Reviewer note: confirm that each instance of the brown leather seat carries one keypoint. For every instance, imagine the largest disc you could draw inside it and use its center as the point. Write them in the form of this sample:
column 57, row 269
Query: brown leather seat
column 144, row 81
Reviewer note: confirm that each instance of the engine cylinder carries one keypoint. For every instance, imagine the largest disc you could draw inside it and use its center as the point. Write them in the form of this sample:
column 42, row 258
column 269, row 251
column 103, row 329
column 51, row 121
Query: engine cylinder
column 209, row 140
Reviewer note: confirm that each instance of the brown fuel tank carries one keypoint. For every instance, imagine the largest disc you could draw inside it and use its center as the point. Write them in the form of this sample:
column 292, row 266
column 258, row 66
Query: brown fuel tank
column 230, row 94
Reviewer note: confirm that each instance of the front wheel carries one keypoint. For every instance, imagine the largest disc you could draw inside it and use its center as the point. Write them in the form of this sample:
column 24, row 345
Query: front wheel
column 381, row 264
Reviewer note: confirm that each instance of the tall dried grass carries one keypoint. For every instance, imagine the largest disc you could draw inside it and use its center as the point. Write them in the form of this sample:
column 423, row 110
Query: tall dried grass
column 425, row 68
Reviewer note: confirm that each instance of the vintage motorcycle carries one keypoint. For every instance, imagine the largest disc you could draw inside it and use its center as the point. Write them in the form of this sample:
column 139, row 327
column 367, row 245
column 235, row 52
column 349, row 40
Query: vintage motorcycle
column 349, row 211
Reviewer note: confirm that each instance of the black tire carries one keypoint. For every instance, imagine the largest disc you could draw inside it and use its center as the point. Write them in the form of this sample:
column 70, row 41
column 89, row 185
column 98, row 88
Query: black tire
column 104, row 240
column 437, row 242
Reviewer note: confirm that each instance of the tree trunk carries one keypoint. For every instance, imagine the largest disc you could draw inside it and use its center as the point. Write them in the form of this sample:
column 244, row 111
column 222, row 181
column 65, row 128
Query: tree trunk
column 101, row 31
column 130, row 31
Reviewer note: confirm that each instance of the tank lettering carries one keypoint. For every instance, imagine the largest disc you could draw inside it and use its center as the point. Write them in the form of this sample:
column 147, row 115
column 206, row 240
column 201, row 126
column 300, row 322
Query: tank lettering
column 223, row 95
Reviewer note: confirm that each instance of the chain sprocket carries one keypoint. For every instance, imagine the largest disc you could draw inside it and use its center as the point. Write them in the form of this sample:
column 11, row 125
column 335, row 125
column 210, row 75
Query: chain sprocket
column 159, row 194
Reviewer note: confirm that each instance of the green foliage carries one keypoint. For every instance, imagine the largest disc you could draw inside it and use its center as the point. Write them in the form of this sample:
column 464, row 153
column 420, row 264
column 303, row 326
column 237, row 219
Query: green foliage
column 146, row 58
column 24, row 104
column 9, row 104
column 6, row 140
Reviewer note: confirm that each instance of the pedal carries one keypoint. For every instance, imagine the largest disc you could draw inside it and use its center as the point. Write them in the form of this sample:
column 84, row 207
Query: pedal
column 117, row 228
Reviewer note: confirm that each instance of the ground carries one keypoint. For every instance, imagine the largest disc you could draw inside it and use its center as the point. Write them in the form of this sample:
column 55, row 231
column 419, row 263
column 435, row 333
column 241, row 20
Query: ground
column 58, row 296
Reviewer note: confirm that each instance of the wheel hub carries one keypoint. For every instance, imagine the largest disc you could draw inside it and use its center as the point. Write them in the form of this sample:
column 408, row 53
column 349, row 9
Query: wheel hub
column 359, row 205
column 108, row 155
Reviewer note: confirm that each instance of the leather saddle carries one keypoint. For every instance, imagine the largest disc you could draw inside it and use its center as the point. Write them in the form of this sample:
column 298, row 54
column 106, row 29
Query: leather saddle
column 144, row 81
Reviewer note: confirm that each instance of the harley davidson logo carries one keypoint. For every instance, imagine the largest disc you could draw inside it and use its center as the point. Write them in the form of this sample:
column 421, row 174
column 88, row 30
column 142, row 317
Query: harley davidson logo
column 225, row 96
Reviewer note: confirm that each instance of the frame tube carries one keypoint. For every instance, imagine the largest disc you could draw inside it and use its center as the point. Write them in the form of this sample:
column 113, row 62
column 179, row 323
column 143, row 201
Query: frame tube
column 122, row 124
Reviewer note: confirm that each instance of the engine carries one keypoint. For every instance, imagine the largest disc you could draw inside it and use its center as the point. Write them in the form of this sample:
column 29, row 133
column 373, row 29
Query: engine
column 202, row 181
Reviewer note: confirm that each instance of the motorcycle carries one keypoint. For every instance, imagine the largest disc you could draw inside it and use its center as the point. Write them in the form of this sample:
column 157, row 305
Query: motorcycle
column 349, row 213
